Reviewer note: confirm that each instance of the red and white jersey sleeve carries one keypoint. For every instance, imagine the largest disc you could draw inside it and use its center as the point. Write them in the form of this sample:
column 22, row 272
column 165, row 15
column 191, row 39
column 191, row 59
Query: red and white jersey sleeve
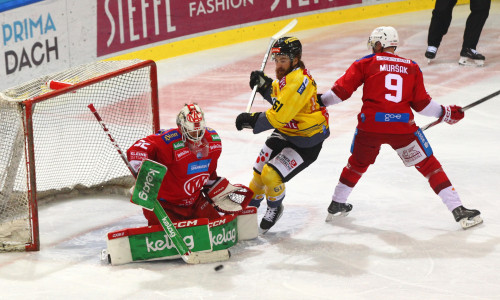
column 392, row 86
column 187, row 172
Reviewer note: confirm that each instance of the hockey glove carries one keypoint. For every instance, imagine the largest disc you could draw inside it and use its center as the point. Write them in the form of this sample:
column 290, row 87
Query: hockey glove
column 246, row 120
column 319, row 100
column 262, row 81
column 451, row 114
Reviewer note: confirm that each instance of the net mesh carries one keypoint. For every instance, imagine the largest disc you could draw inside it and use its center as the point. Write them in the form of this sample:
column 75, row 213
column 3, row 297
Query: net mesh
column 72, row 154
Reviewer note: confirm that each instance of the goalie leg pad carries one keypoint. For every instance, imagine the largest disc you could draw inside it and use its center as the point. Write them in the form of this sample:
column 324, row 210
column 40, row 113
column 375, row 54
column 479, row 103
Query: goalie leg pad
column 224, row 232
column 248, row 227
column 151, row 242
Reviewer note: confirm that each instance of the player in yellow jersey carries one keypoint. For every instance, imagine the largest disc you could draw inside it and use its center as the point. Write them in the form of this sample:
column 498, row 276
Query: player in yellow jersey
column 300, row 127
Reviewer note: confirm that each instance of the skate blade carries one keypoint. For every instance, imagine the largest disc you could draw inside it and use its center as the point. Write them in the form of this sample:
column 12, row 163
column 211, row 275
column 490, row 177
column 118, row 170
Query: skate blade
column 465, row 61
column 468, row 223
column 331, row 217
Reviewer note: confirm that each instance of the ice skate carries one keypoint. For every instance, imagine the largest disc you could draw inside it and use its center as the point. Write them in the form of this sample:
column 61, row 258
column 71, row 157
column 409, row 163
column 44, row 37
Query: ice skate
column 470, row 57
column 337, row 209
column 430, row 53
column 273, row 214
column 467, row 217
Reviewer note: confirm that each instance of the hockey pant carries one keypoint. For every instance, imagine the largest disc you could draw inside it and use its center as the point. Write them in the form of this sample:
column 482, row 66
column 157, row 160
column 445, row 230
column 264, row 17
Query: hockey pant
column 278, row 162
column 200, row 209
column 413, row 149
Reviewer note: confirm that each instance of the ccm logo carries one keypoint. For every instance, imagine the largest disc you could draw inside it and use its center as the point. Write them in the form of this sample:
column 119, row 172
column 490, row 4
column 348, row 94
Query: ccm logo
column 217, row 223
column 119, row 234
column 186, row 223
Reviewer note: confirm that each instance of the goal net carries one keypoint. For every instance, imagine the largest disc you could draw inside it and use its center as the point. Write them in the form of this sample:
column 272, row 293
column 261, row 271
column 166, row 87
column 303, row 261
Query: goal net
column 51, row 144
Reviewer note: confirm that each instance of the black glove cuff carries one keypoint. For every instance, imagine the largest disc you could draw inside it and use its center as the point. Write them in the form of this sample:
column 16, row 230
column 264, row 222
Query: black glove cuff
column 319, row 100
column 246, row 120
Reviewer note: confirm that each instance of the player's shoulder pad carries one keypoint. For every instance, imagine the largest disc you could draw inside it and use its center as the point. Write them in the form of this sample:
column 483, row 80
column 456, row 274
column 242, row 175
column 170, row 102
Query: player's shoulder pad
column 367, row 56
column 212, row 135
column 169, row 135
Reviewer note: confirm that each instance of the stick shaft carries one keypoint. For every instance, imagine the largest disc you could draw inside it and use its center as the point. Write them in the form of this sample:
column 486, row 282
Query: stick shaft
column 469, row 106
column 481, row 100
column 113, row 141
column 276, row 36
column 169, row 228
column 165, row 221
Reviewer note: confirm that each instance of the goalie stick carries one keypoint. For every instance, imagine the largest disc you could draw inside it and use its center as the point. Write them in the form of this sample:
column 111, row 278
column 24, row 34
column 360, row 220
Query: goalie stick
column 263, row 66
column 471, row 105
column 150, row 202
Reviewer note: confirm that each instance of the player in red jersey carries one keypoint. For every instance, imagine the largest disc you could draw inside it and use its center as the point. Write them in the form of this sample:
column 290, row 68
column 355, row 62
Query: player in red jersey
column 190, row 152
column 392, row 87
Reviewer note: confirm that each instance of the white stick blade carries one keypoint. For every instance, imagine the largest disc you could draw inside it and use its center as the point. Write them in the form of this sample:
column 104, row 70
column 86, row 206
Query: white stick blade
column 208, row 257
column 285, row 29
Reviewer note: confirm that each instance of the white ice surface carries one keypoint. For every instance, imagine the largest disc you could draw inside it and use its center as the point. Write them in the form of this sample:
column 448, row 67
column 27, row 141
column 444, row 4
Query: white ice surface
column 399, row 242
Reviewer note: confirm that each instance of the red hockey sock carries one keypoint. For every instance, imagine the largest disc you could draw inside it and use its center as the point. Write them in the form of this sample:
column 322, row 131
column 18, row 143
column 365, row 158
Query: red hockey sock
column 432, row 170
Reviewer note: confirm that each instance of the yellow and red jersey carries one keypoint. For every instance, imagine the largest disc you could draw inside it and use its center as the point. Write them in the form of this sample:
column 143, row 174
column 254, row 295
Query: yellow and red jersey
column 295, row 110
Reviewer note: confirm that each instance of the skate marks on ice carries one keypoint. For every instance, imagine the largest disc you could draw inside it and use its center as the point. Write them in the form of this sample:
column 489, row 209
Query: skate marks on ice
column 404, row 261
column 302, row 249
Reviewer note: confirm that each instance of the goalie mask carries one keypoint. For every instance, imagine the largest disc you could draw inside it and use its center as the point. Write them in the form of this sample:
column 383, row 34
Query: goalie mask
column 191, row 123
column 386, row 35
column 289, row 46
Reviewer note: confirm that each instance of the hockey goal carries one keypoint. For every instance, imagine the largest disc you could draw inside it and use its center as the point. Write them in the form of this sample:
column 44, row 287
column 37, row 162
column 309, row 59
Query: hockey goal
column 51, row 144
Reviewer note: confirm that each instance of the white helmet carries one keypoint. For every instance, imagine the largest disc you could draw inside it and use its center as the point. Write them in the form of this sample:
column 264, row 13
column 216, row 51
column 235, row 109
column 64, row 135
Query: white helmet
column 191, row 122
column 386, row 35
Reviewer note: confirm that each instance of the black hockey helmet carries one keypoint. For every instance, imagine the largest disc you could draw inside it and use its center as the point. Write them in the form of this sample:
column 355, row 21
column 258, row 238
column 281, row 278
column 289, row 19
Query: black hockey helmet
column 289, row 46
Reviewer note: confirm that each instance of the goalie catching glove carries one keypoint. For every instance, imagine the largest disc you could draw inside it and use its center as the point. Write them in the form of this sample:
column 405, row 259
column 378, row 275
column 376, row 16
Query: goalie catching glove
column 228, row 198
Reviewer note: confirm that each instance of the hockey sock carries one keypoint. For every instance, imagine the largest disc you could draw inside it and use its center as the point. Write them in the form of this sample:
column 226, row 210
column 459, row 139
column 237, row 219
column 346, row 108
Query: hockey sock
column 275, row 188
column 341, row 193
column 350, row 176
column 275, row 201
column 432, row 170
column 450, row 198
column 258, row 189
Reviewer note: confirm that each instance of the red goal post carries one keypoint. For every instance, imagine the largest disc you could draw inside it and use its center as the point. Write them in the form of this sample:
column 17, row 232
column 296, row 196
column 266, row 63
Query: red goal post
column 51, row 144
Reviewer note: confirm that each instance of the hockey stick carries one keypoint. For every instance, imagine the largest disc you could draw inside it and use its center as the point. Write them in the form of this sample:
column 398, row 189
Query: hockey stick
column 113, row 141
column 149, row 201
column 145, row 194
column 471, row 105
column 263, row 66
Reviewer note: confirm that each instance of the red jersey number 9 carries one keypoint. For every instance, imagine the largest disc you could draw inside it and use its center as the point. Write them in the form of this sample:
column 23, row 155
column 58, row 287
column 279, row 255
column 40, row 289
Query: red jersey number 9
column 394, row 82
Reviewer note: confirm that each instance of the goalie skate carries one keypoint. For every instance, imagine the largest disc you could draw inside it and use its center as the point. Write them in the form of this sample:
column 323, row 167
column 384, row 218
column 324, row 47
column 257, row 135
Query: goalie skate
column 467, row 217
column 470, row 57
column 337, row 209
